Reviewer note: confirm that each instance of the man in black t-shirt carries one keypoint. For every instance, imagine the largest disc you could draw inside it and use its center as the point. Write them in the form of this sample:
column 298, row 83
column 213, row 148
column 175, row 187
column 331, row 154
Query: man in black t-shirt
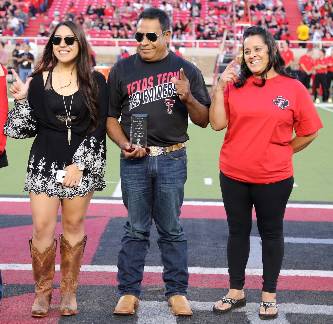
column 15, row 56
column 166, row 88
column 25, row 61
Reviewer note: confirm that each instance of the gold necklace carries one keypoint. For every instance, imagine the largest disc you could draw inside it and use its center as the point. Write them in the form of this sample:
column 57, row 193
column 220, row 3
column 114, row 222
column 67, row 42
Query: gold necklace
column 70, row 81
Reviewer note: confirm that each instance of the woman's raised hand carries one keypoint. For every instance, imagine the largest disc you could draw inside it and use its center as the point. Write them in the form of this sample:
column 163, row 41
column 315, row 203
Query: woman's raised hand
column 229, row 74
column 19, row 89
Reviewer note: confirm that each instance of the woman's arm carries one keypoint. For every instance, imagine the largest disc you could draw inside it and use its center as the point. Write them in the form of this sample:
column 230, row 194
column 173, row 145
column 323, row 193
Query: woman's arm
column 217, row 114
column 298, row 143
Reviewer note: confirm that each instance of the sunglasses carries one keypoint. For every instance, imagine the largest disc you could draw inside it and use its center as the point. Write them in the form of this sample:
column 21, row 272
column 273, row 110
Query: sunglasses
column 69, row 40
column 152, row 37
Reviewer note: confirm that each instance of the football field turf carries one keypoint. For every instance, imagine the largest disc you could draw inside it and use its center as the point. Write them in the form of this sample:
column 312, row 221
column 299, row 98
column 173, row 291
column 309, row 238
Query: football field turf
column 313, row 166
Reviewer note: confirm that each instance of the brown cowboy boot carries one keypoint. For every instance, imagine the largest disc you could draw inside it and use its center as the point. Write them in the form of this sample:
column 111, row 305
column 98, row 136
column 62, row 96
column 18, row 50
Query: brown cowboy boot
column 43, row 268
column 71, row 257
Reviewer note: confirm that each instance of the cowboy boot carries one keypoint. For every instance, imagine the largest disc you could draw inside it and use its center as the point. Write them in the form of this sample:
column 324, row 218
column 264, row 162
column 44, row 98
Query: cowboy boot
column 43, row 268
column 71, row 257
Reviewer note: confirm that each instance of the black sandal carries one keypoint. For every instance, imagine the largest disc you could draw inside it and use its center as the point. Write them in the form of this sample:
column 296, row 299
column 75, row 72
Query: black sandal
column 234, row 303
column 268, row 305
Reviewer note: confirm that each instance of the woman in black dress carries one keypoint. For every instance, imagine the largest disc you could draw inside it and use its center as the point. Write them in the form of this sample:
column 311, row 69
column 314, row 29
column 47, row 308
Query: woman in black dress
column 64, row 105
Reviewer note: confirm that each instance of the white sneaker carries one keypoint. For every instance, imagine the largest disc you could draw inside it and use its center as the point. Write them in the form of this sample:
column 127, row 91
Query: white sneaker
column 329, row 100
column 317, row 101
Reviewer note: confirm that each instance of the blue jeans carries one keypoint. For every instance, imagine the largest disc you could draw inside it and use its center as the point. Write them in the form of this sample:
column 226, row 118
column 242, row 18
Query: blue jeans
column 153, row 189
column 24, row 73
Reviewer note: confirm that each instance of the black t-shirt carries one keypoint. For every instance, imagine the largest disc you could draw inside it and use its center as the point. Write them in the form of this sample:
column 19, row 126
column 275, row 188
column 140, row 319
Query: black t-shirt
column 26, row 64
column 137, row 86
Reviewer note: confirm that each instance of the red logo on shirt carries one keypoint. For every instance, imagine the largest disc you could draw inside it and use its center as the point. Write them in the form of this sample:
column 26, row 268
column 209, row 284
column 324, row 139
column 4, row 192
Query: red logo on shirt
column 281, row 102
column 169, row 104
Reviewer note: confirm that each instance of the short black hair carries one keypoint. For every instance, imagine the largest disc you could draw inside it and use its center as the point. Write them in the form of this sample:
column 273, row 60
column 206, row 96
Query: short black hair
column 155, row 13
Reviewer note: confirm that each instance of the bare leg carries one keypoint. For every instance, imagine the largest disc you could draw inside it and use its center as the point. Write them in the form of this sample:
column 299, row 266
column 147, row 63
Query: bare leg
column 73, row 215
column 44, row 218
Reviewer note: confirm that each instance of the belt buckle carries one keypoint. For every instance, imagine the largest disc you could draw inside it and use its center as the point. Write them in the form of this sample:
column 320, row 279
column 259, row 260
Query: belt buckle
column 156, row 150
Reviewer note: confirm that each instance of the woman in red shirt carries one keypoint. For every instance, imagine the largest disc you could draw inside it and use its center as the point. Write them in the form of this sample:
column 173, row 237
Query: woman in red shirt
column 260, row 107
column 3, row 115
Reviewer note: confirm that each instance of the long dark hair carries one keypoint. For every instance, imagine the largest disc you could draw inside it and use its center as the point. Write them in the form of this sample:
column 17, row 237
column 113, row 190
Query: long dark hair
column 274, row 58
column 87, row 84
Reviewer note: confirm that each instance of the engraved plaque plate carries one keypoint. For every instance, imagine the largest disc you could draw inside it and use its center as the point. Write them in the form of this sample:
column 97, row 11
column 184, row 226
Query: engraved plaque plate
column 138, row 132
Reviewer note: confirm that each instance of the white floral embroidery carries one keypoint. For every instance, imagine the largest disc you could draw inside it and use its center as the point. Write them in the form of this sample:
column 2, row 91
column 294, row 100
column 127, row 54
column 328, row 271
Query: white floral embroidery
column 45, row 182
column 21, row 123
column 91, row 154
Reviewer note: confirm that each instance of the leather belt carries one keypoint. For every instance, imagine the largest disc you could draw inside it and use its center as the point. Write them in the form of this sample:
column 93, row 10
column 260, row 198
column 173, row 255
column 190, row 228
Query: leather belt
column 159, row 150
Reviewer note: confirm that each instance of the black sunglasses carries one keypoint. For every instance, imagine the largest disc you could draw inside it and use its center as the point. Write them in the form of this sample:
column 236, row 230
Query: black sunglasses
column 69, row 40
column 152, row 37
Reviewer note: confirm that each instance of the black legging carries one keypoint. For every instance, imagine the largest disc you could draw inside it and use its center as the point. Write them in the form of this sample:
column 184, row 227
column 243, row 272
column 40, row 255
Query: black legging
column 269, row 201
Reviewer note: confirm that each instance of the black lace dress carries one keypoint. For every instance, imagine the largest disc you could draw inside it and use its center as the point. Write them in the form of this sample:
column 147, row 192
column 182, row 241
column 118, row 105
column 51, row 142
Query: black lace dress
column 43, row 115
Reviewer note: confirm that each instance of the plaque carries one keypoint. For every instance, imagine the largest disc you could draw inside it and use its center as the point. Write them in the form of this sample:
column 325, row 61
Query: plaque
column 138, row 132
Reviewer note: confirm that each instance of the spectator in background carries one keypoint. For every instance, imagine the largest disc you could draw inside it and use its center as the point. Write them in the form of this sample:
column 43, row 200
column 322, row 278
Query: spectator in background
column 317, row 33
column 306, row 67
column 320, row 67
column 43, row 31
column 287, row 55
column 15, row 56
column 25, row 61
column 196, row 8
column 167, row 7
column 303, row 33
column 4, row 57
column 177, row 51
column 329, row 62
column 123, row 54
column 71, row 11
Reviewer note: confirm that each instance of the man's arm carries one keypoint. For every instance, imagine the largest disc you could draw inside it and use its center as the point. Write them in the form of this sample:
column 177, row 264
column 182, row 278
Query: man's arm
column 198, row 113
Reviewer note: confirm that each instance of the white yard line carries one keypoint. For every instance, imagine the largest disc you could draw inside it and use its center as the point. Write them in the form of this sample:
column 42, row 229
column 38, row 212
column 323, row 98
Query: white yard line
column 186, row 203
column 192, row 270
column 117, row 192
column 324, row 107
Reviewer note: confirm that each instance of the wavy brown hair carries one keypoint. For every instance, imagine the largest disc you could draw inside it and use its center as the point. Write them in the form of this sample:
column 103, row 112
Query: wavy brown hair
column 274, row 58
column 87, row 83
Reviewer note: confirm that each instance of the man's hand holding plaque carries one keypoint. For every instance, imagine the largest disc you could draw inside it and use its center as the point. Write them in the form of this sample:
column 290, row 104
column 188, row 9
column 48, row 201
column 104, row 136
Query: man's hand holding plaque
column 137, row 148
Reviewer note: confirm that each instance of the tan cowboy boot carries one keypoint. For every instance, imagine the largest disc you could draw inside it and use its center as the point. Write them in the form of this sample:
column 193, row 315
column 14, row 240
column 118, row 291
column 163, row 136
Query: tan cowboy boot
column 127, row 305
column 43, row 268
column 180, row 306
column 71, row 257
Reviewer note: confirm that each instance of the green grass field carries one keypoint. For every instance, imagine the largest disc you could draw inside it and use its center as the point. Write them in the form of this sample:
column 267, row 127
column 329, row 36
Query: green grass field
column 313, row 166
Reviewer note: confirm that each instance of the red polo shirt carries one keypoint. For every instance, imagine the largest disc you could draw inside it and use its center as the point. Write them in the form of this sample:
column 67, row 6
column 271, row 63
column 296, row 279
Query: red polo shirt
column 321, row 62
column 329, row 62
column 256, row 147
column 307, row 61
column 287, row 56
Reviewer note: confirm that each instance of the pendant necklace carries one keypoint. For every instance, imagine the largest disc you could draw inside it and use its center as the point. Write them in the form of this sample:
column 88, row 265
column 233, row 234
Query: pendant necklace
column 70, row 82
column 68, row 119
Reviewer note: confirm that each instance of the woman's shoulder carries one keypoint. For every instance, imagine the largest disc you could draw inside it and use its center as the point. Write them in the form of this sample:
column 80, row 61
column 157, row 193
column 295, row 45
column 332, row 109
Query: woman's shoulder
column 292, row 82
